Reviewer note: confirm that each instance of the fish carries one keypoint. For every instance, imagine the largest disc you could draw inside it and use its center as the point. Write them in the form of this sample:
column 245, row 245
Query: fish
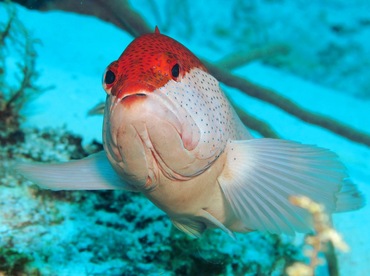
column 170, row 133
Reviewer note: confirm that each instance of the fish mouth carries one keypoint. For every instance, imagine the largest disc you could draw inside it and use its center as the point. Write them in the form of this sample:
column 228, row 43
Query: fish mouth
column 134, row 95
column 130, row 99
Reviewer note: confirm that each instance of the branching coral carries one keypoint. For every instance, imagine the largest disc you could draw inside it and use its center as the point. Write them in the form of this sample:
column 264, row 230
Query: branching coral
column 321, row 242
column 15, row 40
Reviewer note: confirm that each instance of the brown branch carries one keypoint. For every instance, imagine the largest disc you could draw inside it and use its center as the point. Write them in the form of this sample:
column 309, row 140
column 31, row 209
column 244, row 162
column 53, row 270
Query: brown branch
column 117, row 12
column 254, row 123
column 236, row 60
column 4, row 34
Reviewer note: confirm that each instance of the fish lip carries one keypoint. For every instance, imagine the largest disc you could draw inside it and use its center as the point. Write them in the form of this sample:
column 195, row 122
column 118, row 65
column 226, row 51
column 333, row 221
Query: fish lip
column 140, row 94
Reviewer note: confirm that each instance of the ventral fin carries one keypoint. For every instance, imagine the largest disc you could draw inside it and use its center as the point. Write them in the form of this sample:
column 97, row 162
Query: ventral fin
column 215, row 222
column 190, row 227
column 91, row 173
column 195, row 226
column 261, row 174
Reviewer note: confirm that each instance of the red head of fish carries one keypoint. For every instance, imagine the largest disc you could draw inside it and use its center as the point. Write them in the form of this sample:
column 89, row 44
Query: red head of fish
column 147, row 64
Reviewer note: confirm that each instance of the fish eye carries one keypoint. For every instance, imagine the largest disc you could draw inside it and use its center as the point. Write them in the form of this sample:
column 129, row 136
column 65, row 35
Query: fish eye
column 175, row 71
column 109, row 77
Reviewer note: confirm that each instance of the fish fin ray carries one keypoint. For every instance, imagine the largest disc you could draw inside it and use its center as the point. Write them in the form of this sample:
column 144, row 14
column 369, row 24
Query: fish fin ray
column 206, row 215
column 349, row 198
column 190, row 227
column 91, row 173
column 195, row 226
column 261, row 174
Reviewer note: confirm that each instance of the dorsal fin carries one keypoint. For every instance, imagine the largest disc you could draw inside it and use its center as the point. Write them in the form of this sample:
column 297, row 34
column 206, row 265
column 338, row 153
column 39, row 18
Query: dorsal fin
column 156, row 30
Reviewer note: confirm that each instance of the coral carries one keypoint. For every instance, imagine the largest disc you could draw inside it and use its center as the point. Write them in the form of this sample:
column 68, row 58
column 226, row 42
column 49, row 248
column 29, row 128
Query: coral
column 216, row 254
column 18, row 55
column 320, row 242
column 12, row 261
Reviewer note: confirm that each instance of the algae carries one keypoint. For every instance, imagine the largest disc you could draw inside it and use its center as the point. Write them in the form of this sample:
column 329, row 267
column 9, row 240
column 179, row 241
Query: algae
column 18, row 74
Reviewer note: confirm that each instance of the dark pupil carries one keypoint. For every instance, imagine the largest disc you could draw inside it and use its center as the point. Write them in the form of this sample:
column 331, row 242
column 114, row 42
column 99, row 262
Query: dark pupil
column 109, row 77
column 175, row 70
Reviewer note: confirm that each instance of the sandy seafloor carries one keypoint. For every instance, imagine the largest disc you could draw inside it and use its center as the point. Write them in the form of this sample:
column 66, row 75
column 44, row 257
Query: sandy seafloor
column 76, row 49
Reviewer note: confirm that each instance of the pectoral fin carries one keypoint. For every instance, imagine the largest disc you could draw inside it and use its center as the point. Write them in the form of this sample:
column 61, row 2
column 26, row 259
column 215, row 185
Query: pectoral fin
column 261, row 174
column 91, row 173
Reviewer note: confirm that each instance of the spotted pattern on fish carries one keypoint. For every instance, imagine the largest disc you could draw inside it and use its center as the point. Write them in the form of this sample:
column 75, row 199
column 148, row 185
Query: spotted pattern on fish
column 207, row 109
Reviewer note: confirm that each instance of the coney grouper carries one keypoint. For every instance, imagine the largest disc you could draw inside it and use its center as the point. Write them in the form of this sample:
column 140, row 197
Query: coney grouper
column 170, row 133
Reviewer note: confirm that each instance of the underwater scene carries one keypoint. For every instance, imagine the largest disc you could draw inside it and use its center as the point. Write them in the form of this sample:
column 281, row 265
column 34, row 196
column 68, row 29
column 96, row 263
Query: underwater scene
column 152, row 137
